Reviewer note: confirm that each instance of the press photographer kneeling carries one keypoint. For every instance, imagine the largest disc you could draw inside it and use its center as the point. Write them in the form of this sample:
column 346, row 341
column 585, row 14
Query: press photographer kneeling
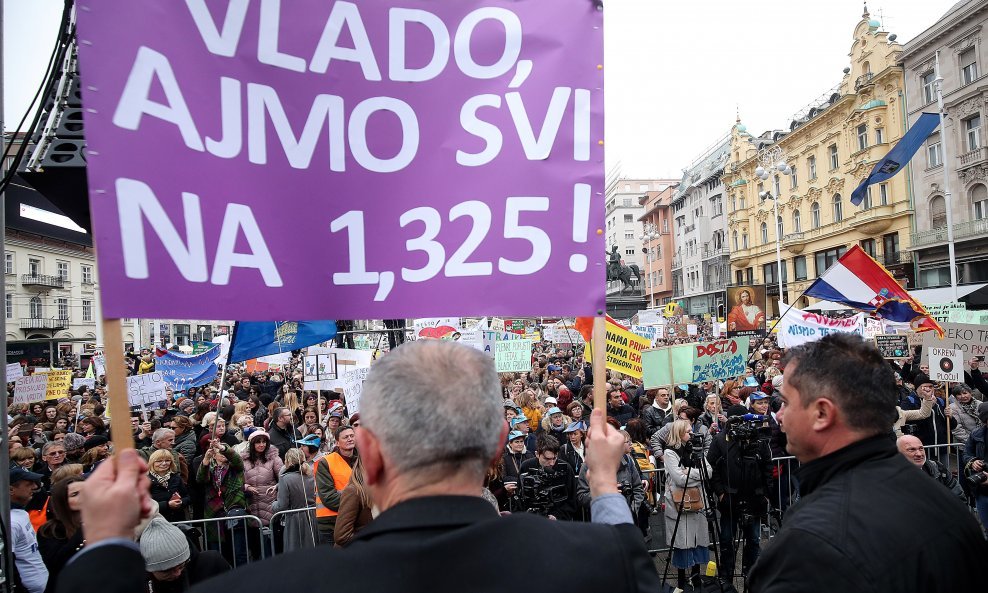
column 742, row 480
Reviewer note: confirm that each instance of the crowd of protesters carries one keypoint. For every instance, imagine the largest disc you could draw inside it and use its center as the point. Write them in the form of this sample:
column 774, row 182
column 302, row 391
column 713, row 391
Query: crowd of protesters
column 261, row 444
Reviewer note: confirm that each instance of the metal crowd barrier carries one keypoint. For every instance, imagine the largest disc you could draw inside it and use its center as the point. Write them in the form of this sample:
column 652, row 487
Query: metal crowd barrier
column 241, row 539
column 277, row 525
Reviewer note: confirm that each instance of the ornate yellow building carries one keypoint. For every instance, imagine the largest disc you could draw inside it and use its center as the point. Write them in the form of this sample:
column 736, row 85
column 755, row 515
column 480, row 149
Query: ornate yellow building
column 831, row 147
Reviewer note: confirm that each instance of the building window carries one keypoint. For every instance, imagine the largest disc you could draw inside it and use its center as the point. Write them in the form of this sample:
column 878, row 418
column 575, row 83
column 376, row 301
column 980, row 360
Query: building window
column 934, row 152
column 883, row 194
column 744, row 240
column 815, row 215
column 811, row 166
column 37, row 310
column 744, row 201
column 969, row 66
column 868, row 246
column 736, row 246
column 10, row 306
column 761, row 191
column 629, row 236
column 862, row 136
column 764, row 228
column 34, row 267
column 629, row 218
column 87, row 274
column 838, row 208
column 717, row 206
column 63, row 308
column 793, row 178
column 796, row 226
column 9, row 263
column 734, row 202
column 739, row 277
column 834, row 159
column 979, row 197
column 87, row 310
column 643, row 187
column 825, row 259
column 866, row 201
column 780, row 229
column 63, row 270
column 929, row 90
column 777, row 186
column 879, row 135
column 799, row 266
column 626, row 202
column 938, row 212
column 972, row 129
column 629, row 251
column 665, row 225
column 890, row 244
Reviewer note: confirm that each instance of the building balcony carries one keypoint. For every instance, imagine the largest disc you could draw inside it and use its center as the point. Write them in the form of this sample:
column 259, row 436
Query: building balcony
column 794, row 242
column 874, row 220
column 895, row 258
column 712, row 253
column 973, row 158
column 963, row 231
column 677, row 262
column 54, row 324
column 41, row 282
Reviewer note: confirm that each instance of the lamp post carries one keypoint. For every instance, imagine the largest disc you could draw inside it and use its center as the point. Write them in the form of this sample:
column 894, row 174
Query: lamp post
column 650, row 233
column 773, row 160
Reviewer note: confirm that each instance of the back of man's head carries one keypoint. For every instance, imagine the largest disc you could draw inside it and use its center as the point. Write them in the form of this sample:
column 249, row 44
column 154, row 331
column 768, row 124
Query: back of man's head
column 849, row 372
column 434, row 403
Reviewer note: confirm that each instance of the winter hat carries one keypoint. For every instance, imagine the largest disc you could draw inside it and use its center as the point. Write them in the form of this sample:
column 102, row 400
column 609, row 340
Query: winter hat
column 777, row 381
column 74, row 441
column 163, row 545
column 258, row 434
column 96, row 440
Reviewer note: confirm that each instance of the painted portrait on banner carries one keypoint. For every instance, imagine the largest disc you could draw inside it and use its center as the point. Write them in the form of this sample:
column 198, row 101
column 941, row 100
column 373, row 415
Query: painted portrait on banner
column 746, row 315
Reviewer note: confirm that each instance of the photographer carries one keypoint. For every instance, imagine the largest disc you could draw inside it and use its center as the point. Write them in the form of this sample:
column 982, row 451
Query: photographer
column 630, row 482
column 975, row 474
column 547, row 484
column 685, row 502
column 741, row 479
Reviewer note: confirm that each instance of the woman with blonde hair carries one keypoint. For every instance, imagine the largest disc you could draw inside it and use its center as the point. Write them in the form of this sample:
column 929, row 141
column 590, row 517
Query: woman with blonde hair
column 531, row 407
column 167, row 488
column 685, row 523
column 356, row 507
column 297, row 490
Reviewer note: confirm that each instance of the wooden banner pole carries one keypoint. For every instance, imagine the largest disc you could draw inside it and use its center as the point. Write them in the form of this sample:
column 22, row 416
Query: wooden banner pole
column 946, row 410
column 116, row 386
column 599, row 346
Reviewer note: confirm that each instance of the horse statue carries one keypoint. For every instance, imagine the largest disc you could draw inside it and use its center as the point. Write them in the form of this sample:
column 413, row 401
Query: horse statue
column 618, row 271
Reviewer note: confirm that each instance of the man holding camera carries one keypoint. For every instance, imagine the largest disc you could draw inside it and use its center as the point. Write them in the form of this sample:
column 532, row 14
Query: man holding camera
column 548, row 484
column 862, row 506
column 976, row 470
column 742, row 480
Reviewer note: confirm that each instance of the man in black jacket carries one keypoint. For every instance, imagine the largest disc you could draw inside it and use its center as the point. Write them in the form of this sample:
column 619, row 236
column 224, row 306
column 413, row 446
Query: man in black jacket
column 424, row 466
column 741, row 462
column 863, row 507
column 658, row 413
column 553, row 475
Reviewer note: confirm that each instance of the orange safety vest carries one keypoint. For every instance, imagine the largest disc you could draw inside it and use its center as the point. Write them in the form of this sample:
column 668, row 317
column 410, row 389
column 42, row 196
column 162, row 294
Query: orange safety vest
column 340, row 470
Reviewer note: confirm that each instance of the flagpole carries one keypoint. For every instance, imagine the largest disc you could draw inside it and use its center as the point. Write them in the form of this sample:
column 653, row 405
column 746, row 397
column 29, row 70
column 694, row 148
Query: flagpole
column 226, row 363
column 944, row 146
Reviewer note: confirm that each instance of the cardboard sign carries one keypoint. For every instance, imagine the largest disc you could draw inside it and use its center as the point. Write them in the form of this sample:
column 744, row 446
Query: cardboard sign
column 893, row 346
column 503, row 98
column 719, row 359
column 664, row 367
column 946, row 364
column 14, row 372
column 799, row 327
column 30, row 389
column 320, row 367
column 146, row 389
column 89, row 382
column 346, row 361
column 59, row 383
column 972, row 339
column 941, row 311
column 649, row 316
column 970, row 317
column 512, row 356
column 353, row 388
column 624, row 350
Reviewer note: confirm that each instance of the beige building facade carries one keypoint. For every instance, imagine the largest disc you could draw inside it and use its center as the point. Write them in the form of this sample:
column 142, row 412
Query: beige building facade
column 831, row 146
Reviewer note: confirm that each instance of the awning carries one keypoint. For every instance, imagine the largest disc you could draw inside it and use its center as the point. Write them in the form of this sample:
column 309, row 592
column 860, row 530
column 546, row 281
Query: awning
column 932, row 296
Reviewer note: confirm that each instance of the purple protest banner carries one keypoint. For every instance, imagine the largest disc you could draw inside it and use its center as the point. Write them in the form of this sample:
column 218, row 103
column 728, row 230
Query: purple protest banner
column 260, row 160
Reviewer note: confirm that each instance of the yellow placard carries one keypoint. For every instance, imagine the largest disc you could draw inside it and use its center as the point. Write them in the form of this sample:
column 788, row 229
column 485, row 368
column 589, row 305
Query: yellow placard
column 624, row 350
column 59, row 383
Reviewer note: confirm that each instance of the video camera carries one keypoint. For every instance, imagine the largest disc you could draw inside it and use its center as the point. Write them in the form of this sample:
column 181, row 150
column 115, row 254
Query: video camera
column 747, row 428
column 540, row 490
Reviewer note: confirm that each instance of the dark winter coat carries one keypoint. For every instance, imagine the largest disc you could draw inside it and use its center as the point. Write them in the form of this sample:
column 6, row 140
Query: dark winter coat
column 162, row 495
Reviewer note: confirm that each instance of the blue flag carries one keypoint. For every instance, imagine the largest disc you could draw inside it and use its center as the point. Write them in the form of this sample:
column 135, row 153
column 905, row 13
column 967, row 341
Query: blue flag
column 182, row 371
column 900, row 154
column 252, row 339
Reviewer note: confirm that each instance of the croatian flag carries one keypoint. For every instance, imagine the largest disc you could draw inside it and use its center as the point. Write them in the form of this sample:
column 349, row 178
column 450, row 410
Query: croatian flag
column 858, row 281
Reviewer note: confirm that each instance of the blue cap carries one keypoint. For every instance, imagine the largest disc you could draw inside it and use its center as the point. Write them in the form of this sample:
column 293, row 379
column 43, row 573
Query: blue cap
column 751, row 382
column 757, row 396
column 518, row 420
column 311, row 440
column 18, row 474
column 554, row 410
column 574, row 426
column 515, row 434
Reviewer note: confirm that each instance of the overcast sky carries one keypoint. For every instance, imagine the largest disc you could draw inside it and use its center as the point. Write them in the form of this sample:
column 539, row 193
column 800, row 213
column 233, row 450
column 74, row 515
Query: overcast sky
column 676, row 71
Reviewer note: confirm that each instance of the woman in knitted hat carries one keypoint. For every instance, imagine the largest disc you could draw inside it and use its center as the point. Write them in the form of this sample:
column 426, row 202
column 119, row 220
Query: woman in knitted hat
column 262, row 467
column 61, row 536
column 172, row 564
column 167, row 487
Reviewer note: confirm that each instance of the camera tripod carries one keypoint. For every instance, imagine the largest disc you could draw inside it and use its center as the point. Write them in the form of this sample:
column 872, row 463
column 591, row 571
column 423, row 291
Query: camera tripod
column 695, row 460
column 753, row 507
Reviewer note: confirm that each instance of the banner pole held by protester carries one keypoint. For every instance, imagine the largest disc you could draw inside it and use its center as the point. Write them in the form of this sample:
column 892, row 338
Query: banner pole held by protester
column 116, row 386
column 599, row 346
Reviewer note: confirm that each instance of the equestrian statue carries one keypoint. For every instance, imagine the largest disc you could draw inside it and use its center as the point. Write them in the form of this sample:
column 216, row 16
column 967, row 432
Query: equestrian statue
column 618, row 271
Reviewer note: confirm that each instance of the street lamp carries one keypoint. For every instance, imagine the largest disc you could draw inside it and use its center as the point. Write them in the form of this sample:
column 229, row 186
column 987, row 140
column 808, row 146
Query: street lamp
column 650, row 233
column 773, row 160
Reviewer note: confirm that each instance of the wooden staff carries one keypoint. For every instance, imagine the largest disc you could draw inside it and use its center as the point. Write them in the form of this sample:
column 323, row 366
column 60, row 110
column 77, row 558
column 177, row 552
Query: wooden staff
column 599, row 345
column 116, row 386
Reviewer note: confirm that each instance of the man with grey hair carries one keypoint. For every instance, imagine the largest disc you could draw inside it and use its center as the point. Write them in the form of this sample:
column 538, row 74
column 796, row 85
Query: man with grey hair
column 431, row 425
column 164, row 438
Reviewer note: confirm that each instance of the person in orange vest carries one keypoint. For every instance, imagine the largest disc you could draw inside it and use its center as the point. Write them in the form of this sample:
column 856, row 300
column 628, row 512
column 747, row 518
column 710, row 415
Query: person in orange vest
column 332, row 475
